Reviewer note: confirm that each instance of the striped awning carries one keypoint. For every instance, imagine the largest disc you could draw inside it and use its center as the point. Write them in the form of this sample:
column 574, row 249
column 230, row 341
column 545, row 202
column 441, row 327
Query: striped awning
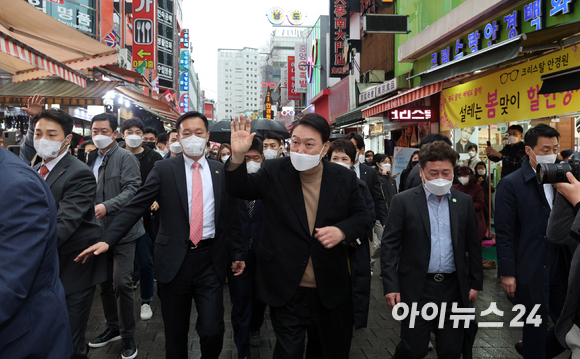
column 402, row 99
column 160, row 108
column 55, row 91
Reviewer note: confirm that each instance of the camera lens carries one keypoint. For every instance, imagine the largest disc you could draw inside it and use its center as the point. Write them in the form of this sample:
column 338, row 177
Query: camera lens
column 552, row 172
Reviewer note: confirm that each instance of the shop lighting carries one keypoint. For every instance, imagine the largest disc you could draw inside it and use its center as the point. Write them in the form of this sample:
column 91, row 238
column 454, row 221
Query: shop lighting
column 476, row 72
column 127, row 103
column 120, row 100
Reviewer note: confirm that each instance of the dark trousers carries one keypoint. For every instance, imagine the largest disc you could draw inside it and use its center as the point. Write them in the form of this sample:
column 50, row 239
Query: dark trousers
column 144, row 259
column 196, row 280
column 414, row 341
column 117, row 293
column 329, row 330
column 79, row 308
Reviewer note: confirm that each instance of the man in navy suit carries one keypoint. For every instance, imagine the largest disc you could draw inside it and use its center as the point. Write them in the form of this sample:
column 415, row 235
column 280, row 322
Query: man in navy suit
column 33, row 315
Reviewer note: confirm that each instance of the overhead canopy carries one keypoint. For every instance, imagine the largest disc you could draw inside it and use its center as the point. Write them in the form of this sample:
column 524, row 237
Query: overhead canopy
column 561, row 81
column 400, row 100
column 490, row 56
column 160, row 108
column 56, row 91
column 354, row 115
column 52, row 42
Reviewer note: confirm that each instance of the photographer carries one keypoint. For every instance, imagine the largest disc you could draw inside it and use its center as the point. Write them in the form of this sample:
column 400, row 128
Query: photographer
column 564, row 228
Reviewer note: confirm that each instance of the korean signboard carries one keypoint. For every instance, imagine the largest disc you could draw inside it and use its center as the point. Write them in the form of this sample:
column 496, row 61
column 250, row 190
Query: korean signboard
column 378, row 91
column 284, row 87
column 510, row 94
column 301, row 67
column 82, row 18
column 268, row 102
column 339, row 29
column 277, row 16
column 339, row 99
column 420, row 113
column 292, row 95
column 184, row 39
column 144, row 29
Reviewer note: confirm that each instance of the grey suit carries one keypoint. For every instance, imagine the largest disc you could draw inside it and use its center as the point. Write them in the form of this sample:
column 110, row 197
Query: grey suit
column 563, row 228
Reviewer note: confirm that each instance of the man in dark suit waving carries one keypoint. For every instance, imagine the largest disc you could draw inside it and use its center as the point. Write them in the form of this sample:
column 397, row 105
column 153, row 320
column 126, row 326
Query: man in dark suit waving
column 423, row 254
column 198, row 221
column 313, row 210
column 74, row 188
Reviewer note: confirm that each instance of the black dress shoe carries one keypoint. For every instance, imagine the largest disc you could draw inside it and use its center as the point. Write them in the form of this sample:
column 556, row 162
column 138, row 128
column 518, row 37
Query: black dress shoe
column 520, row 348
column 129, row 350
column 105, row 338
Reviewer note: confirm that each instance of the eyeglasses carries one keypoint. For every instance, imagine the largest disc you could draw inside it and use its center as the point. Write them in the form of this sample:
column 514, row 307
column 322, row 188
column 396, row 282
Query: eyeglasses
column 270, row 85
column 288, row 113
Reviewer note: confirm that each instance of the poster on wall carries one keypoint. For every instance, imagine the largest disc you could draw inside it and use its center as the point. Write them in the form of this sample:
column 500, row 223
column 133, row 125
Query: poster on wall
column 401, row 157
column 465, row 138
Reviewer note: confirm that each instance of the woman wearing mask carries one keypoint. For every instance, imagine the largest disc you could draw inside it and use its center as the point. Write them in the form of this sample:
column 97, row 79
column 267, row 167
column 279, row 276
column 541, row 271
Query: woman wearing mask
column 224, row 152
column 468, row 186
column 412, row 163
column 473, row 157
column 482, row 179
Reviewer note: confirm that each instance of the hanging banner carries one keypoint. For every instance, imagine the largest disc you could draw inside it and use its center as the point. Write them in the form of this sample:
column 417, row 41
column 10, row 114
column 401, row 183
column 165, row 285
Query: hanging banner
column 339, row 29
column 301, row 66
column 510, row 94
column 268, row 102
column 144, row 33
column 292, row 95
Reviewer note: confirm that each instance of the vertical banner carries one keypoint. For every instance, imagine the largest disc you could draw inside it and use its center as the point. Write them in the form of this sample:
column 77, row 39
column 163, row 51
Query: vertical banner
column 144, row 34
column 301, row 68
column 339, row 29
column 268, row 103
column 292, row 95
column 284, row 87
column 184, row 71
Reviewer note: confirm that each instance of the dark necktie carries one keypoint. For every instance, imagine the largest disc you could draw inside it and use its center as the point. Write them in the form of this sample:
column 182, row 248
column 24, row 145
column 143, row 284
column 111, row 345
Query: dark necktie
column 250, row 207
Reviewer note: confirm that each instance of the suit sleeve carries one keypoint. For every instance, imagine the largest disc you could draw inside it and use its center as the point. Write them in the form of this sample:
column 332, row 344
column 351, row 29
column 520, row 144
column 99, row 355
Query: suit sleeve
column 78, row 199
column 359, row 220
column 235, row 239
column 506, row 218
column 130, row 183
column 391, row 245
column 243, row 186
column 379, row 198
column 473, row 247
column 23, row 240
column 135, row 209
column 564, row 224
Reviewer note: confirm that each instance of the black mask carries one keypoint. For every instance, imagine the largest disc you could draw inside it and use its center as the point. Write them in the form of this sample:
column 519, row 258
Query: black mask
column 414, row 163
column 151, row 145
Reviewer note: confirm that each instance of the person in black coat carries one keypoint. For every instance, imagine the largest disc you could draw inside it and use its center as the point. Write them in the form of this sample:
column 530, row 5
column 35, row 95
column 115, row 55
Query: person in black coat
column 413, row 162
column 383, row 165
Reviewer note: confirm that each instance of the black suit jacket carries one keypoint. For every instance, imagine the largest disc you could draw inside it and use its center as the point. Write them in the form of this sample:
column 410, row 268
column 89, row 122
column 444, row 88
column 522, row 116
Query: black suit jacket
column 287, row 243
column 371, row 177
column 73, row 187
column 406, row 245
column 167, row 184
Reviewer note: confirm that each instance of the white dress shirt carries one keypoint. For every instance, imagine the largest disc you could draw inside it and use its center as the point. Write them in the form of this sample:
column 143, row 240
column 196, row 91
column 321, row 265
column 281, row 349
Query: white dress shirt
column 208, row 197
column 50, row 165
column 356, row 167
column 548, row 191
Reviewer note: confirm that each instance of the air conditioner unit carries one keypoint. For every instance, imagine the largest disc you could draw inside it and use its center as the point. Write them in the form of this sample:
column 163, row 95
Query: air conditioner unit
column 373, row 76
column 124, row 59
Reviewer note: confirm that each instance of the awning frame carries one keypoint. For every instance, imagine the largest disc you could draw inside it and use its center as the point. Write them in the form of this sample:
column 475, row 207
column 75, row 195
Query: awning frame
column 414, row 94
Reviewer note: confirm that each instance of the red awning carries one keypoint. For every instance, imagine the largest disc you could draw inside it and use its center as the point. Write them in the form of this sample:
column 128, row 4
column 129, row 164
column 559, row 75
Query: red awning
column 402, row 99
column 162, row 109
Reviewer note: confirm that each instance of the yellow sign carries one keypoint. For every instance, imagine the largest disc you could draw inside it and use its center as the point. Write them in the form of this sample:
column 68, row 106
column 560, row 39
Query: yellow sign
column 510, row 94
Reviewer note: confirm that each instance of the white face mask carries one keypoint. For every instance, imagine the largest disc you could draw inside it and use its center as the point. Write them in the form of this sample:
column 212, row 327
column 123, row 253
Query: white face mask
column 270, row 154
column 133, row 141
column 304, row 162
column 225, row 158
column 438, row 187
column 164, row 151
column 481, row 172
column 386, row 167
column 48, row 149
column 175, row 147
column 102, row 141
column 193, row 146
column 252, row 167
column 545, row 158
column 471, row 154
column 513, row 140
column 463, row 180
column 343, row 164
column 361, row 158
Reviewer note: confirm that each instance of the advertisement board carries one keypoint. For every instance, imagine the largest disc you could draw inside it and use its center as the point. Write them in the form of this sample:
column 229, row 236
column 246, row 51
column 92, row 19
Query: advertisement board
column 144, row 33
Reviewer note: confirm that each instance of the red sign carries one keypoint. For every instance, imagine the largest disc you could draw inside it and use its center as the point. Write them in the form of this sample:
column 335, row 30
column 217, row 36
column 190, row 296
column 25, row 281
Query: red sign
column 339, row 29
column 292, row 95
column 144, row 33
column 208, row 110
column 410, row 114
column 339, row 99
column 184, row 39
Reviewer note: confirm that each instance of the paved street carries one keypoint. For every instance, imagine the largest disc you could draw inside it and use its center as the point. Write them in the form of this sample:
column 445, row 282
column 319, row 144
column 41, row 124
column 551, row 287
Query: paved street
column 376, row 341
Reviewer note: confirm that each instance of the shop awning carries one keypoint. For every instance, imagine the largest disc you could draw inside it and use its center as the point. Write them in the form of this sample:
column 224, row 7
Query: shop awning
column 402, row 99
column 35, row 45
column 152, row 105
column 490, row 56
column 56, row 91
column 561, row 81
column 354, row 115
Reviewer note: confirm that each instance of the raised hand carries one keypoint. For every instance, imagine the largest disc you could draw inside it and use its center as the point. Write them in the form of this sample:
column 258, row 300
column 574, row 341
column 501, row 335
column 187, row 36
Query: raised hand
column 241, row 139
column 34, row 105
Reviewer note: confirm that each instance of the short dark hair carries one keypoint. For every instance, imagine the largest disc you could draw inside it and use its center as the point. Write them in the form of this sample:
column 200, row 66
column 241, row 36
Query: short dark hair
column 360, row 143
column 369, row 151
column 192, row 114
column 538, row 131
column 378, row 158
column 257, row 146
column 170, row 132
column 113, row 123
column 411, row 159
column 435, row 137
column 517, row 128
column 481, row 164
column 151, row 130
column 85, row 143
column 317, row 122
column 132, row 122
column 437, row 151
column 270, row 135
column 162, row 138
column 342, row 145
column 472, row 146
column 62, row 118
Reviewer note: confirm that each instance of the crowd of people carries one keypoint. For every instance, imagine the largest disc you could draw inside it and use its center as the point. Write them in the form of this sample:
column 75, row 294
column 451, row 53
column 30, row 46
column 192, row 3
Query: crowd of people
column 298, row 228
